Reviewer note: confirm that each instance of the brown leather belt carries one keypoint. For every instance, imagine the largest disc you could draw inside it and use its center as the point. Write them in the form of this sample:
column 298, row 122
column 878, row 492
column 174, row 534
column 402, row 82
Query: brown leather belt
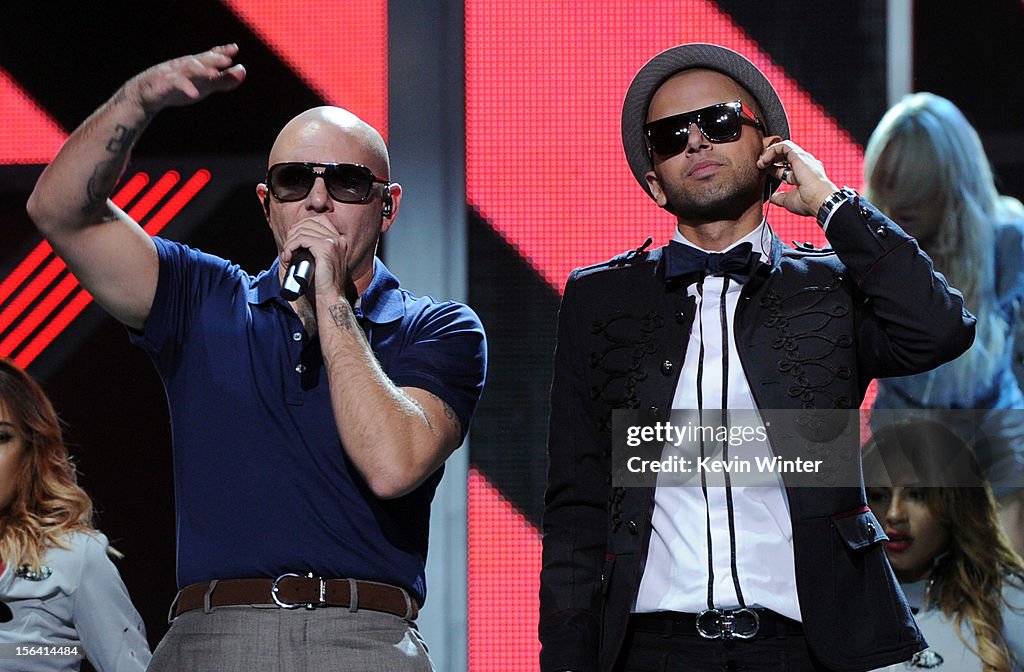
column 291, row 591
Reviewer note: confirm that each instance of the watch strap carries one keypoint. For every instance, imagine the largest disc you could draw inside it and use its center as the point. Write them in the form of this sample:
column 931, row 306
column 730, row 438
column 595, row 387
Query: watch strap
column 831, row 203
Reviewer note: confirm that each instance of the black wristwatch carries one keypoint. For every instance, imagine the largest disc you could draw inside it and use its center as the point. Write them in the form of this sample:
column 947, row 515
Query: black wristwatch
column 832, row 202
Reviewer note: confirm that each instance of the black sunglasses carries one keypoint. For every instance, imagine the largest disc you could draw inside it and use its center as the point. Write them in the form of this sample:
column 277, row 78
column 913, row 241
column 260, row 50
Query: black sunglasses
column 345, row 182
column 718, row 123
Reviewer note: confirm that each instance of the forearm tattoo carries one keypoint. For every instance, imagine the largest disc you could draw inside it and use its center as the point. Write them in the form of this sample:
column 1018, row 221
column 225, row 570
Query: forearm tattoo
column 343, row 317
column 97, row 188
column 123, row 139
column 106, row 173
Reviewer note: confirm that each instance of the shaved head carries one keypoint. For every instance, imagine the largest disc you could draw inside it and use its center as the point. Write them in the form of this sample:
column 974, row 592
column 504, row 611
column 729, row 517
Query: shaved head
column 307, row 132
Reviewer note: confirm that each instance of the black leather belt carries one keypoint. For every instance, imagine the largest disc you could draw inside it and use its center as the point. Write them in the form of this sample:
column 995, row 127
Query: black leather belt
column 718, row 624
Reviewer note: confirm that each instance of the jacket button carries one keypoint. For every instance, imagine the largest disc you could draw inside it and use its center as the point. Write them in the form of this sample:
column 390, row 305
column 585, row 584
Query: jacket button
column 681, row 317
column 865, row 212
column 882, row 232
column 633, row 527
column 871, row 530
column 666, row 367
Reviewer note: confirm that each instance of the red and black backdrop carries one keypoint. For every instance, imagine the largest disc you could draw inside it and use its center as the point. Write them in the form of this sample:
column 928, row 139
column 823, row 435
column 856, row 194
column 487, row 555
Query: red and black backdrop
column 547, row 189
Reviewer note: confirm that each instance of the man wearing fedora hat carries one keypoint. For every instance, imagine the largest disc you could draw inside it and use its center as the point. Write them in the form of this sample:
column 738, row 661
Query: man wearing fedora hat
column 727, row 317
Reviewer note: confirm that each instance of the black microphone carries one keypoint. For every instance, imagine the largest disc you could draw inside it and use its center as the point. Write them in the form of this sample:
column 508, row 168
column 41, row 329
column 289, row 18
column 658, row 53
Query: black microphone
column 296, row 280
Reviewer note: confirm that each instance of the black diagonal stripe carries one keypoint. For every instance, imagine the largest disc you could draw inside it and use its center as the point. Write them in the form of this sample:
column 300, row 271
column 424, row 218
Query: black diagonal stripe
column 834, row 50
column 71, row 56
column 975, row 57
column 519, row 311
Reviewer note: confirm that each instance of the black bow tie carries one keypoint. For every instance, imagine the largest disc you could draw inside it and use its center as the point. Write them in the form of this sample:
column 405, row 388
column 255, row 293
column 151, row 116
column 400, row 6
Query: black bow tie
column 684, row 260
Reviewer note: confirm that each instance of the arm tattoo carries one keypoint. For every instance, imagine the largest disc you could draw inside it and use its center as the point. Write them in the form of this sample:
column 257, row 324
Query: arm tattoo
column 122, row 140
column 342, row 315
column 449, row 413
column 94, row 192
column 101, row 183
column 105, row 174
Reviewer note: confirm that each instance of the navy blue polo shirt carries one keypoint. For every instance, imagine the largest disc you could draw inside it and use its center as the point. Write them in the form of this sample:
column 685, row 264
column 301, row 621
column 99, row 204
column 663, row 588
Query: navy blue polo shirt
column 262, row 484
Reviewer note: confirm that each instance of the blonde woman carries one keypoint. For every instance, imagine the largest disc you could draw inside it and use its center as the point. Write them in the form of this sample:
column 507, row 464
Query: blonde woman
column 946, row 547
column 62, row 598
column 925, row 167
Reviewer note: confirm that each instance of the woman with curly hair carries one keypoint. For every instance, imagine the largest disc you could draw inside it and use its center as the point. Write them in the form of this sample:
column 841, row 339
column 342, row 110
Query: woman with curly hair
column 925, row 167
column 946, row 547
column 61, row 598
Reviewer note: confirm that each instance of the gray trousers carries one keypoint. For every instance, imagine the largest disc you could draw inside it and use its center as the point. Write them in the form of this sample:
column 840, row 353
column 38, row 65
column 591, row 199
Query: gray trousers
column 269, row 639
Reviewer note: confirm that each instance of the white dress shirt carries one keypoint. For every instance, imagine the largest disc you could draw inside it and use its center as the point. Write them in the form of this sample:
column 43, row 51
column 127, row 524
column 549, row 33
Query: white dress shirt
column 675, row 576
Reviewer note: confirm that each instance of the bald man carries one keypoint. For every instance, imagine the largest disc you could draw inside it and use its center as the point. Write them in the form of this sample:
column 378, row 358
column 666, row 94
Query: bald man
column 310, row 427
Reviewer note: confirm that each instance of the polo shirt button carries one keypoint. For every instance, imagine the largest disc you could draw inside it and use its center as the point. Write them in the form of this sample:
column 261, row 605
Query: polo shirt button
column 297, row 336
column 666, row 367
column 300, row 368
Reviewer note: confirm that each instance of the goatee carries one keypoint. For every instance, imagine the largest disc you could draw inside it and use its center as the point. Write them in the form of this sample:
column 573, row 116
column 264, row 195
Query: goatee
column 714, row 202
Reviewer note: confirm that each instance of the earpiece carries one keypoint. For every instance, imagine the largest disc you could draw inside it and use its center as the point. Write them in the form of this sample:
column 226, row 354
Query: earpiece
column 388, row 204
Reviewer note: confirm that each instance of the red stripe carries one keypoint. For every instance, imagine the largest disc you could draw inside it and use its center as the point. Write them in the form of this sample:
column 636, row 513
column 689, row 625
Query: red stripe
column 154, row 195
column 31, row 263
column 29, row 267
column 22, row 301
column 74, row 307
column 504, row 582
column 30, row 134
column 53, row 328
column 345, row 59
column 46, row 306
column 130, row 189
column 23, row 270
column 175, row 203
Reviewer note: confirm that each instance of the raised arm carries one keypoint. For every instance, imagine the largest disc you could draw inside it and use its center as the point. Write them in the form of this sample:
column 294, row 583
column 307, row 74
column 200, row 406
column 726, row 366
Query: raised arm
column 912, row 320
column 113, row 258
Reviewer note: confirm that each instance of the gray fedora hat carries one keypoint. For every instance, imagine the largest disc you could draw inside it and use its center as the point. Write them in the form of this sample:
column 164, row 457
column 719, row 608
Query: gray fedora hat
column 686, row 57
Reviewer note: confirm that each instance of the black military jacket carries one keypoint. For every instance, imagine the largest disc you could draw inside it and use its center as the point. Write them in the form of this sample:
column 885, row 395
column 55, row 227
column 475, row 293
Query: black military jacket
column 813, row 329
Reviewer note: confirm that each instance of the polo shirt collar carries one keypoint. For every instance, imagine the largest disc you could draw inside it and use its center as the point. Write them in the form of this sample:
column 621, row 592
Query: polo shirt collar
column 381, row 303
column 266, row 286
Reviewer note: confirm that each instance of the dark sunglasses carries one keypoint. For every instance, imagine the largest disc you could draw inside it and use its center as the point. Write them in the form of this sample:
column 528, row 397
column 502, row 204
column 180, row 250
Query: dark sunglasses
column 345, row 182
column 718, row 123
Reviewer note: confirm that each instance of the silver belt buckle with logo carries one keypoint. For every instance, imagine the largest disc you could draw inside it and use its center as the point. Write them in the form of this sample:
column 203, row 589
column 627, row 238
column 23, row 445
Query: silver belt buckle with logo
column 728, row 623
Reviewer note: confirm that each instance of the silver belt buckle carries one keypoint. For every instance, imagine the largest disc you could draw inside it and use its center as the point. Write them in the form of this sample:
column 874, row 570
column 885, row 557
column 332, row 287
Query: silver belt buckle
column 728, row 623
column 275, row 588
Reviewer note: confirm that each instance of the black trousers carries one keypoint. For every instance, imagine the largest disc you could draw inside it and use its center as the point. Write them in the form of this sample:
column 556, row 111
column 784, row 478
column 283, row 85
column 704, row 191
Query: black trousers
column 675, row 652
